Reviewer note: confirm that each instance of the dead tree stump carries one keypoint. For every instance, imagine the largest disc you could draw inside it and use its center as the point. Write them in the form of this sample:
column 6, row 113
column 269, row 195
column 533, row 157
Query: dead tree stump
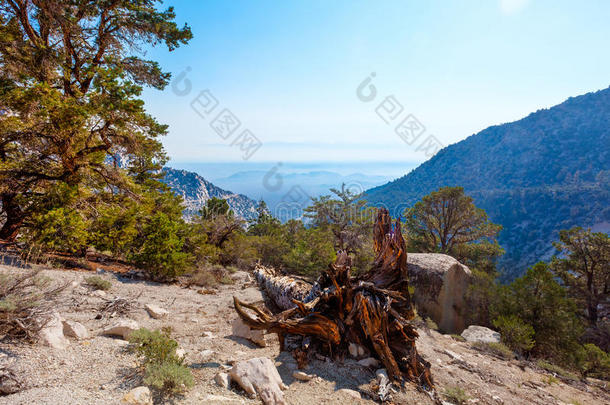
column 373, row 310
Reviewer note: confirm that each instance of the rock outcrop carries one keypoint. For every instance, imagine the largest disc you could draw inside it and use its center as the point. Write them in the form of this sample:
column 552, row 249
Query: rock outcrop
column 440, row 283
column 475, row 333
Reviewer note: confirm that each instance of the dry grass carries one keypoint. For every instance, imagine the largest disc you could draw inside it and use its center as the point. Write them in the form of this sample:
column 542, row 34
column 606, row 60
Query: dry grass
column 27, row 301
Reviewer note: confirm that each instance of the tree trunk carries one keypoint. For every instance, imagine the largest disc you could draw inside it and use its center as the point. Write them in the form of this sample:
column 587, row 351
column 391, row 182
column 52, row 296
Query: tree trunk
column 14, row 218
column 373, row 310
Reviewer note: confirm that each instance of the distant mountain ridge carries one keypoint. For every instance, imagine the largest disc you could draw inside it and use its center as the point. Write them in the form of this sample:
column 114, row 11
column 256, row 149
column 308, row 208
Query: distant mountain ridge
column 195, row 190
column 546, row 172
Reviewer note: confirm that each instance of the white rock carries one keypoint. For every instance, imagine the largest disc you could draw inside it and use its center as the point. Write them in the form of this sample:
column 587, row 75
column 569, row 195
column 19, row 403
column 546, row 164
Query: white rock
column 351, row 393
column 355, row 350
column 475, row 333
column 52, row 334
column 240, row 329
column 155, row 311
column 138, row 396
column 75, row 329
column 180, row 353
column 382, row 376
column 122, row 328
column 206, row 355
column 301, row 376
column 259, row 376
column 369, row 362
column 99, row 293
column 223, row 380
column 452, row 354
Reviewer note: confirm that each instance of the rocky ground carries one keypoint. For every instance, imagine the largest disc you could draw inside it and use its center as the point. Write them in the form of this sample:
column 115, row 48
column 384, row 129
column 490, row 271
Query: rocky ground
column 101, row 369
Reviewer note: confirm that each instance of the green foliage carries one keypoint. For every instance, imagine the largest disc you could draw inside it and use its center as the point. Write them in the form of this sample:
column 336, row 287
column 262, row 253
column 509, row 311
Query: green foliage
column 311, row 253
column 533, row 186
column 161, row 252
column 163, row 369
column 555, row 369
column 497, row 349
column 155, row 347
column 345, row 215
column 169, row 377
column 70, row 80
column 59, row 229
column 539, row 301
column 456, row 395
column 584, row 267
column 515, row 333
column 430, row 324
column 481, row 295
column 98, row 283
column 114, row 228
column 447, row 221
column 215, row 207
column 595, row 362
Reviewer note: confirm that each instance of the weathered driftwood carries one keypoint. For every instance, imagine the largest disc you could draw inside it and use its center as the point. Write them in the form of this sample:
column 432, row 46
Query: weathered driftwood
column 373, row 310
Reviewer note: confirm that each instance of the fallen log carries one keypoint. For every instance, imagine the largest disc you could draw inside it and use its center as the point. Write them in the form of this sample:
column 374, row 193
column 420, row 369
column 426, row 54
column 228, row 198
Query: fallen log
column 373, row 310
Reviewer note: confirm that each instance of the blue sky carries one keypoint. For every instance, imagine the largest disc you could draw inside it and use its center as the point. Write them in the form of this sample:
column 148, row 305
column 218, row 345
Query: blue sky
column 288, row 70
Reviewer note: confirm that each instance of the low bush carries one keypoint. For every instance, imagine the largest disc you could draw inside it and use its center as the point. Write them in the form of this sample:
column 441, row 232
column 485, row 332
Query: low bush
column 163, row 369
column 496, row 349
column 516, row 334
column 595, row 362
column 456, row 395
column 557, row 370
column 26, row 303
column 98, row 283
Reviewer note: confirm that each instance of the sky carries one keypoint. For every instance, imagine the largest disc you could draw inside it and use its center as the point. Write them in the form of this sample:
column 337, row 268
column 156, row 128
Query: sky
column 289, row 71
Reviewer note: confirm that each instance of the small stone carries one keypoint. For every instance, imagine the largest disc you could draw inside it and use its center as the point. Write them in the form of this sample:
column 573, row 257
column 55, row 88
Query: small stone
column 382, row 376
column 223, row 380
column 52, row 334
column 301, row 376
column 206, row 355
column 155, row 311
column 180, row 353
column 75, row 329
column 355, row 350
column 240, row 329
column 99, row 293
column 452, row 354
column 138, row 396
column 351, row 393
column 122, row 328
column 369, row 362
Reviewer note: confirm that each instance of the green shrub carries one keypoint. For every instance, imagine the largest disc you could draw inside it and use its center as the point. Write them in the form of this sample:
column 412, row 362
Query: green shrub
column 595, row 362
column 515, row 333
column 497, row 349
column 456, row 395
column 169, row 377
column 163, row 369
column 98, row 283
column 59, row 229
column 162, row 252
column 431, row 324
column 459, row 338
column 555, row 369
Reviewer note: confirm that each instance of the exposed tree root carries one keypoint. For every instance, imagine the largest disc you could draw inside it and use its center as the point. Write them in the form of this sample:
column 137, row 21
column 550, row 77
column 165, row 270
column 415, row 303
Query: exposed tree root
column 373, row 310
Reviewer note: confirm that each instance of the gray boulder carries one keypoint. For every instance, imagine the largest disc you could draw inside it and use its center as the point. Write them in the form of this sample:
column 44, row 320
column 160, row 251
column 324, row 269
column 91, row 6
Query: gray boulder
column 475, row 333
column 440, row 283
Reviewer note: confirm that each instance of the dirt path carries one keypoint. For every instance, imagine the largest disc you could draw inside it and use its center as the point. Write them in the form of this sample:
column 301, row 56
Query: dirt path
column 100, row 370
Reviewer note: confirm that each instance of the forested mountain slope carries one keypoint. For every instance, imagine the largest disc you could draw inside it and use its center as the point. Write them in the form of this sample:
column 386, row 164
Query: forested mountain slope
column 546, row 172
